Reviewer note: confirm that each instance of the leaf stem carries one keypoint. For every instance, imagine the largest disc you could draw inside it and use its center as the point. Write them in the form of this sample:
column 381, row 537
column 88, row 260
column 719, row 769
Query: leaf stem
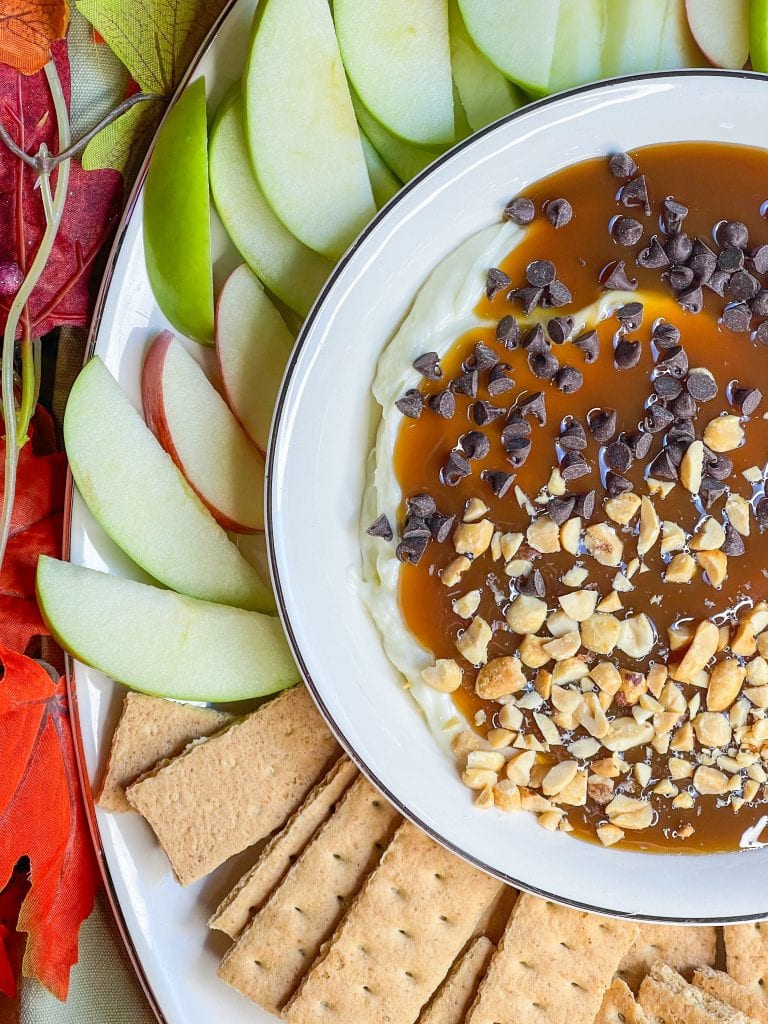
column 29, row 386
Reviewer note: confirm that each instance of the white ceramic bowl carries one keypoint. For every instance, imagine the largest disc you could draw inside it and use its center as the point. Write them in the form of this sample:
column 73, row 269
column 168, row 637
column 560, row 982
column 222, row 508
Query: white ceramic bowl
column 323, row 433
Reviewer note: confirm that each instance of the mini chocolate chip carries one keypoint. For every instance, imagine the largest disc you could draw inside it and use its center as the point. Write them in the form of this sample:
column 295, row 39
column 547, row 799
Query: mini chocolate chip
column 508, row 332
column 496, row 282
column 602, row 424
column 558, row 212
column 683, row 407
column 455, row 469
column 761, row 512
column 662, row 467
column 380, row 528
column 733, row 545
column 534, row 340
column 475, row 445
column 532, row 585
column 499, row 481
column 665, row 335
column 679, row 277
column 653, row 256
column 682, row 430
column 658, row 418
column 673, row 214
column 616, row 484
column 484, row 412
column 428, row 366
column 674, row 361
column 730, row 259
column 527, row 297
column 618, row 456
column 666, row 386
column 720, row 467
column 516, row 426
column 746, row 399
column 414, row 526
column 422, row 505
column 411, row 403
column 411, row 550
column 540, row 273
column 441, row 526
column 635, row 193
column 759, row 305
column 626, row 230
column 627, row 354
column 543, row 365
column 534, row 405
column 556, row 295
column 630, row 315
column 702, row 261
column 560, row 509
column 572, row 437
column 615, row 277
column 678, row 247
column 573, row 466
column 676, row 452
column 520, row 211
column 737, row 317
column 732, row 232
column 568, row 379
column 443, row 403
column 465, row 384
column 639, row 443
column 718, row 283
column 560, row 328
column 498, row 381
column 585, row 505
column 761, row 334
column 484, row 357
column 517, row 450
column 621, row 165
column 589, row 344
column 758, row 259
column 743, row 285
column 691, row 299
column 710, row 490
column 701, row 385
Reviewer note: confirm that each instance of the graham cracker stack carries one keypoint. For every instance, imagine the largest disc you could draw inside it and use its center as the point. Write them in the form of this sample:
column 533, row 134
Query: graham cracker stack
column 729, row 991
column 274, row 861
column 746, row 954
column 679, row 947
column 553, row 965
column 150, row 730
column 277, row 948
column 225, row 794
column 667, row 997
column 619, row 1006
column 456, row 994
column 398, row 940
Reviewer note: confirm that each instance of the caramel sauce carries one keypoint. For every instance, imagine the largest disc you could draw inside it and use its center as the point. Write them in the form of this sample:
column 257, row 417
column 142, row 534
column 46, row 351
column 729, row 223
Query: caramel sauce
column 716, row 182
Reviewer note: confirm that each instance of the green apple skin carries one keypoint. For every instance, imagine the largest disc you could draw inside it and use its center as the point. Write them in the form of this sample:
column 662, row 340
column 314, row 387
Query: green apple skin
column 403, row 159
column 160, row 642
column 383, row 182
column 758, row 34
column 633, row 36
column 177, row 227
column 578, row 44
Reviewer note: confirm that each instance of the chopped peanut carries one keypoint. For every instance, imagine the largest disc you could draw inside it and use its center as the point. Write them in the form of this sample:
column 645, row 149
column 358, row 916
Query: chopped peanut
column 499, row 678
column 604, row 544
column 626, row 812
column 672, row 537
column 526, row 614
column 570, row 535
column 723, row 433
column 600, row 632
column 715, row 565
column 579, row 604
column 692, row 466
column 453, row 572
column 636, row 637
column 725, row 682
column 473, row 642
column 623, row 508
column 649, row 527
column 532, row 652
column 444, row 676
column 702, row 648
column 544, row 535
column 710, row 781
column 473, row 539
column 681, row 569
column 466, row 605
column 737, row 510
column 709, row 537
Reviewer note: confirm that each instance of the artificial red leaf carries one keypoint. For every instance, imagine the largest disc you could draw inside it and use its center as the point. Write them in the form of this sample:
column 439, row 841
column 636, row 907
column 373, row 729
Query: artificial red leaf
column 27, row 29
column 36, row 526
column 63, row 294
column 42, row 817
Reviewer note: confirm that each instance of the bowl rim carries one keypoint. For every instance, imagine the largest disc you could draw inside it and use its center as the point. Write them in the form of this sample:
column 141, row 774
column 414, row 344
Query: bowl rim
column 275, row 444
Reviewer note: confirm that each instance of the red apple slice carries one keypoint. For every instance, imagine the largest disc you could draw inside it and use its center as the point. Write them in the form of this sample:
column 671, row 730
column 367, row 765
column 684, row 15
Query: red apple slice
column 721, row 30
column 195, row 426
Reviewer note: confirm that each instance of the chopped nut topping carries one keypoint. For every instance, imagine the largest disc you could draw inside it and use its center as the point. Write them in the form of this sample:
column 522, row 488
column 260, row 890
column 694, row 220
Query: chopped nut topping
column 466, row 605
column 479, row 778
column 473, row 642
column 510, row 717
column 526, row 614
column 519, row 767
column 570, row 535
column 626, row 812
column 453, row 572
column 681, row 569
column 444, row 676
column 600, row 632
column 580, row 604
column 710, row 781
column 591, row 717
column 474, row 510
column 712, row 729
column 737, row 510
column 500, row 677
column 649, row 527
column 506, row 796
column 490, row 759
column 715, row 565
column 544, row 535
column 609, row 835
column 692, row 466
column 703, row 646
column 575, row 576
column 510, row 545
column 569, row 671
column 725, row 682
column 672, row 537
column 611, row 603
column 558, row 777
column 626, row 733
column 709, row 537
column 563, row 647
column 473, row 538
column 603, row 543
column 518, row 567
column 623, row 508
column 636, row 637
column 532, row 652
column 723, row 433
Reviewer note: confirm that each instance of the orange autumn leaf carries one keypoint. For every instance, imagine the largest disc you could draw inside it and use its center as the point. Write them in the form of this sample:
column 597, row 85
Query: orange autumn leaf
column 27, row 29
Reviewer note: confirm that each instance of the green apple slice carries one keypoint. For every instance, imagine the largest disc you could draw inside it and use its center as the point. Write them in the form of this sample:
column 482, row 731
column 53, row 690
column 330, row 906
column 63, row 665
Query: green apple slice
column 633, row 35
column 252, row 348
column 485, row 94
column 383, row 182
column 142, row 501
column 403, row 158
column 517, row 37
column 300, row 127
column 398, row 58
column 177, row 220
column 578, row 44
column 678, row 48
column 292, row 271
column 163, row 643
column 758, row 34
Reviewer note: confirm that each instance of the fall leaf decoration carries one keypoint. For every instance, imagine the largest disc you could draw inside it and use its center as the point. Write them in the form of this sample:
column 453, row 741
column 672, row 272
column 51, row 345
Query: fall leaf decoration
column 27, row 29
column 11, row 944
column 42, row 818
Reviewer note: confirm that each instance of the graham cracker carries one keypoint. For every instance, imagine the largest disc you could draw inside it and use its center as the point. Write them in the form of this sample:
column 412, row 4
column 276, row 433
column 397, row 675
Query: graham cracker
column 493, row 920
column 667, row 998
column 221, row 796
column 454, row 997
column 252, row 891
column 746, row 954
column 279, row 945
column 150, row 730
column 724, row 988
column 398, row 940
column 552, row 965
column 679, row 947
column 619, row 1006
